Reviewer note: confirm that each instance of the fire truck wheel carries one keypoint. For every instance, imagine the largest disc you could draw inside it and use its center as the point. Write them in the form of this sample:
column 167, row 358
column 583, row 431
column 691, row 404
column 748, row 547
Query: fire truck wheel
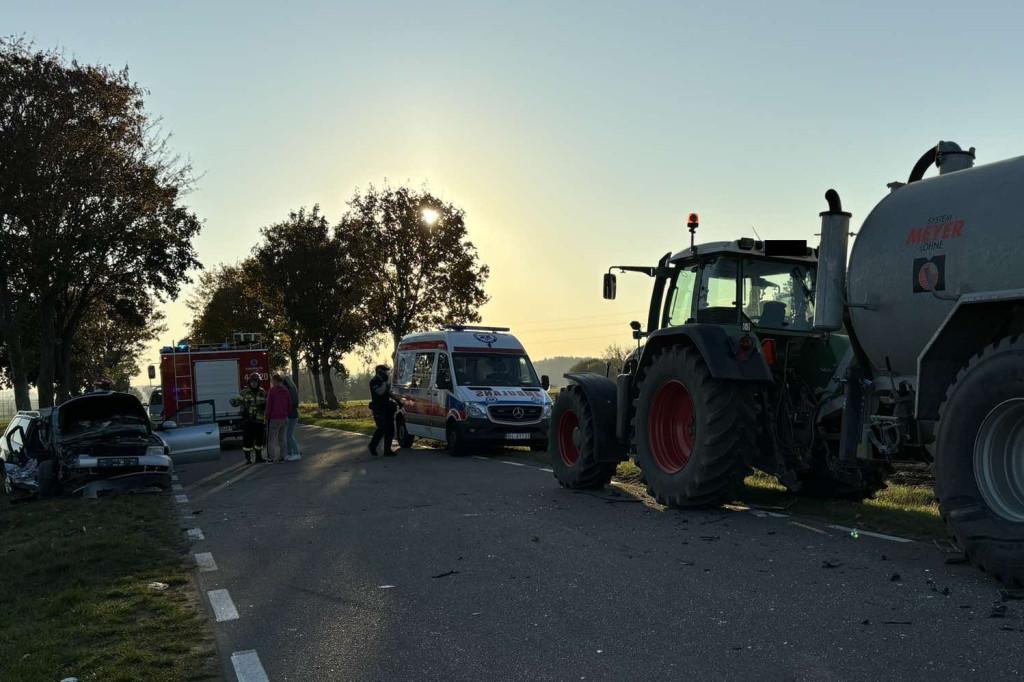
column 979, row 468
column 571, row 444
column 695, row 435
column 405, row 439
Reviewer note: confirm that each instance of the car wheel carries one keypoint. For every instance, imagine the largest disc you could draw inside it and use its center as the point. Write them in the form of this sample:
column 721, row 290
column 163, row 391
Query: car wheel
column 46, row 478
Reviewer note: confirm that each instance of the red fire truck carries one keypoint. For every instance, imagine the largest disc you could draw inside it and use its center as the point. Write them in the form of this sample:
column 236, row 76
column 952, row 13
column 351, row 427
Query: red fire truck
column 198, row 381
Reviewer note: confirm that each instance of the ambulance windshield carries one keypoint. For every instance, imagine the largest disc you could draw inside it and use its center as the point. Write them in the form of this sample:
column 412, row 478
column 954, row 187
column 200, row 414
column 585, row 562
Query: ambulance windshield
column 494, row 369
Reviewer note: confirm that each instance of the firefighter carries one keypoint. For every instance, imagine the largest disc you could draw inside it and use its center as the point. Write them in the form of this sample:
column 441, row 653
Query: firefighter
column 382, row 404
column 253, row 401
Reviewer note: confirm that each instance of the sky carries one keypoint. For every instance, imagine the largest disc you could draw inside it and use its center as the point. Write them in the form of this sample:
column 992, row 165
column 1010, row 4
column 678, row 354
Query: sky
column 576, row 135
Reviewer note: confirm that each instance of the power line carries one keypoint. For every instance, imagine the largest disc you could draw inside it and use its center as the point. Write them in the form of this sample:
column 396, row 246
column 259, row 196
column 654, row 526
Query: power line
column 582, row 317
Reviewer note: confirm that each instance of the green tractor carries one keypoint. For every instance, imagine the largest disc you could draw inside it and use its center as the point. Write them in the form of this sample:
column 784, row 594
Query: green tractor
column 731, row 375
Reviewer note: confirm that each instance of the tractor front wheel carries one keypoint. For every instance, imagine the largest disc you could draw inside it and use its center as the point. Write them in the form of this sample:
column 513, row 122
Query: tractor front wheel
column 695, row 435
column 571, row 443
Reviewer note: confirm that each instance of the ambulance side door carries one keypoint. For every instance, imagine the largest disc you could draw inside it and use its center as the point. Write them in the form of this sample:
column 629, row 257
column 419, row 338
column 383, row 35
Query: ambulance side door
column 442, row 388
column 422, row 393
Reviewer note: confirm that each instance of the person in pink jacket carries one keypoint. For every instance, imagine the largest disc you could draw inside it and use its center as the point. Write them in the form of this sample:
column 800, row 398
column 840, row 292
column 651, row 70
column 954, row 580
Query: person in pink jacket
column 279, row 406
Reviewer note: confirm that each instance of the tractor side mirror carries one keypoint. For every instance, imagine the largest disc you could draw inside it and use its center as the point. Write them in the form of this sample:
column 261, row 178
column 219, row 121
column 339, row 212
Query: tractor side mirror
column 545, row 382
column 637, row 330
column 152, row 372
column 609, row 286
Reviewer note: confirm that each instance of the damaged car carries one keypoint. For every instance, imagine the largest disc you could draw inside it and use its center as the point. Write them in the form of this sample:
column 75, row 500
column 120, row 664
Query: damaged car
column 98, row 441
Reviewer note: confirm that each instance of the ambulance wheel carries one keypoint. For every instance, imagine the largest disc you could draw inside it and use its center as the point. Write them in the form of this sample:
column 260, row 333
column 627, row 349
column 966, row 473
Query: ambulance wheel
column 405, row 439
column 456, row 443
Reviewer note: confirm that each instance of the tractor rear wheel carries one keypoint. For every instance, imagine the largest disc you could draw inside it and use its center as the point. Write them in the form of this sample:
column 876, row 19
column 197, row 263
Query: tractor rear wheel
column 979, row 460
column 695, row 435
column 571, row 443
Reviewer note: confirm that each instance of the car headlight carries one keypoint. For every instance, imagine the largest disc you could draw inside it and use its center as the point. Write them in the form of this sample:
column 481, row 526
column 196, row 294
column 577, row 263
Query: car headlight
column 546, row 412
column 476, row 410
column 155, row 450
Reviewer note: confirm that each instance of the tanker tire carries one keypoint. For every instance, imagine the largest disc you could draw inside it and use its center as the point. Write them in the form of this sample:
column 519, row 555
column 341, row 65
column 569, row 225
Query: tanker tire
column 725, row 431
column 46, row 478
column 572, row 453
column 993, row 544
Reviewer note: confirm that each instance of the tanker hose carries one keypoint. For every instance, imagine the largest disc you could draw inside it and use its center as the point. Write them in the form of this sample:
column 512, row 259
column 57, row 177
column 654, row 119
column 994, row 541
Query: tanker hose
column 835, row 205
column 923, row 164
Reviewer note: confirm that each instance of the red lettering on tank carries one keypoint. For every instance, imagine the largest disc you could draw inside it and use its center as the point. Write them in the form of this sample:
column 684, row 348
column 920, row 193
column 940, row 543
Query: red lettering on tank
column 915, row 236
column 958, row 228
column 945, row 230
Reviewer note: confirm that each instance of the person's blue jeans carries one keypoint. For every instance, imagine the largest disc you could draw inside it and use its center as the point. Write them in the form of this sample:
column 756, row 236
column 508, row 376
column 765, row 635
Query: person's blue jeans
column 293, row 445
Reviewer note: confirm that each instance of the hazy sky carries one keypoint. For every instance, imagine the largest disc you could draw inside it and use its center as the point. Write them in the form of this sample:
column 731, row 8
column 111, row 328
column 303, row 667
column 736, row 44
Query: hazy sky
column 576, row 135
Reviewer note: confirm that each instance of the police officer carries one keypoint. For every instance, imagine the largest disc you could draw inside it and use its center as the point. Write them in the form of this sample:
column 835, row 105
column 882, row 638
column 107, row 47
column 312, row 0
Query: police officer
column 253, row 401
column 382, row 405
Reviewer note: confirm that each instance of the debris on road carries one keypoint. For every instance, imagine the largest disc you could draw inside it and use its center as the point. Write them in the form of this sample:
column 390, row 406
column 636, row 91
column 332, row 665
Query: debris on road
column 830, row 564
column 385, row 587
column 160, row 587
column 444, row 575
column 895, row 577
column 998, row 611
column 1011, row 595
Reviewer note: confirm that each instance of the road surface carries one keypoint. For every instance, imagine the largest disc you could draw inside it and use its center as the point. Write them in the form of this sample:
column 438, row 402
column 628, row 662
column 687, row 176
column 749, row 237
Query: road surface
column 427, row 567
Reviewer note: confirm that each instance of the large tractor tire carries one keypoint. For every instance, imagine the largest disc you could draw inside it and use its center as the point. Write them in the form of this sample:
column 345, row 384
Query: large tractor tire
column 695, row 435
column 979, row 460
column 571, row 443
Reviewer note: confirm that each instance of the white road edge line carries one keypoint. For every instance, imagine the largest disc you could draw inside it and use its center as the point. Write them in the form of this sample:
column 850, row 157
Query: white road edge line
column 515, row 464
column 205, row 562
column 550, row 471
column 479, row 457
column 761, row 513
column 181, row 499
column 223, row 608
column 880, row 536
column 248, row 667
column 194, row 534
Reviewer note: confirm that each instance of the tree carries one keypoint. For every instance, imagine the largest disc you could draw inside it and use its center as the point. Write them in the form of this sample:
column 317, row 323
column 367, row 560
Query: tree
column 611, row 361
column 323, row 288
column 234, row 298
column 89, row 205
column 425, row 272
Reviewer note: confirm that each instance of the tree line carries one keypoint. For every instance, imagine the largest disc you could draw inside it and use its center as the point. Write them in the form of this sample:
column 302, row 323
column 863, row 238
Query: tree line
column 93, row 232
column 397, row 261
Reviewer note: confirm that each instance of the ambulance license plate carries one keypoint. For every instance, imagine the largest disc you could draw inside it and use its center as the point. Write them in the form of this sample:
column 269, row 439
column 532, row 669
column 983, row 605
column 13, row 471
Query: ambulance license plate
column 517, row 436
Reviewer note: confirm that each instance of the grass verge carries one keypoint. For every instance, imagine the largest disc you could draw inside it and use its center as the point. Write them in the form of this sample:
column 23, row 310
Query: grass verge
column 76, row 598
column 353, row 416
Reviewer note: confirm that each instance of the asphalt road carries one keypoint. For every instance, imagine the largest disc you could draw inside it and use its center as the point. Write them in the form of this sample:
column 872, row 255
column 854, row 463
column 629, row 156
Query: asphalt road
column 426, row 567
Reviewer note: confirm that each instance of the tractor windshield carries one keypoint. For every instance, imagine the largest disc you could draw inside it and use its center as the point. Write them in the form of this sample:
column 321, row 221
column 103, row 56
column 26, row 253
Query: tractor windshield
column 778, row 295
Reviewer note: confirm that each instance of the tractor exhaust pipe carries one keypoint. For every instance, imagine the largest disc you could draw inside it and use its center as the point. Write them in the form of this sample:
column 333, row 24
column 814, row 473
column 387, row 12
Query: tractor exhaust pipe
column 830, row 287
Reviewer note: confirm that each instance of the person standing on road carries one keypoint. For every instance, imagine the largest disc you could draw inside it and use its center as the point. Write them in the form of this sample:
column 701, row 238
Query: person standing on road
column 252, row 400
column 293, row 421
column 279, row 406
column 382, row 405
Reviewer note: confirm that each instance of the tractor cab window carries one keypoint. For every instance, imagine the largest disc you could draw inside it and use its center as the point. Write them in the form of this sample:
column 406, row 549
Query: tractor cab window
column 716, row 299
column 778, row 295
column 679, row 308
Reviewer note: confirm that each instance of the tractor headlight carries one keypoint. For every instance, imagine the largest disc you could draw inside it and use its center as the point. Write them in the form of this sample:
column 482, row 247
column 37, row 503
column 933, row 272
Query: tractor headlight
column 476, row 410
column 155, row 450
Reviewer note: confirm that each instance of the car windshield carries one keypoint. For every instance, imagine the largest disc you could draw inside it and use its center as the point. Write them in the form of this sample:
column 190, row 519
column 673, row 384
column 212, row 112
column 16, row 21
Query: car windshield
column 778, row 295
column 494, row 369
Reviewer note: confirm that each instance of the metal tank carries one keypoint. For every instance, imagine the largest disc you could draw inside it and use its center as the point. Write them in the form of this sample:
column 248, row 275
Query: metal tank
column 927, row 243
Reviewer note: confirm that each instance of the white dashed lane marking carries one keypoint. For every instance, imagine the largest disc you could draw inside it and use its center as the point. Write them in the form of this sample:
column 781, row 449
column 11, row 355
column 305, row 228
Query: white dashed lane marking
column 194, row 534
column 181, row 499
column 223, row 608
column 515, row 464
column 248, row 667
column 205, row 562
column 177, row 488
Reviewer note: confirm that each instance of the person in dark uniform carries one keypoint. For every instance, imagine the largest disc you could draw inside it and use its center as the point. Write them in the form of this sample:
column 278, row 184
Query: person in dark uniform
column 382, row 405
column 252, row 400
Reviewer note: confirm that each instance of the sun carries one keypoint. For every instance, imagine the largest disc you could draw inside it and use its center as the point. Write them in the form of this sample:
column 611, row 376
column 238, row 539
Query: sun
column 430, row 216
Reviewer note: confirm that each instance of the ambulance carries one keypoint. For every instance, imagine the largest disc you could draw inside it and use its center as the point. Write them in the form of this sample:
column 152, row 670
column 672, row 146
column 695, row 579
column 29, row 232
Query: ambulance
column 469, row 386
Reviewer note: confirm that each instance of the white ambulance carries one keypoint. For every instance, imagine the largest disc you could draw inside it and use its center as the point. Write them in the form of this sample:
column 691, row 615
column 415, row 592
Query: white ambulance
column 469, row 386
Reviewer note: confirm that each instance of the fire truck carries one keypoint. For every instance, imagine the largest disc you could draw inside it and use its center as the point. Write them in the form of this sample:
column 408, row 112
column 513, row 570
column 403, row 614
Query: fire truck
column 197, row 381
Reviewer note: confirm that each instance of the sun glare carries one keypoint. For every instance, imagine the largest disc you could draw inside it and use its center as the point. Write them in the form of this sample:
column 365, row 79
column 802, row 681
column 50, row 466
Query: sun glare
column 430, row 216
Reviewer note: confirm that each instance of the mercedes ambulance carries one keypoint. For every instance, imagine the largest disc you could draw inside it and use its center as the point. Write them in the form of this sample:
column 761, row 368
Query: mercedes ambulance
column 469, row 386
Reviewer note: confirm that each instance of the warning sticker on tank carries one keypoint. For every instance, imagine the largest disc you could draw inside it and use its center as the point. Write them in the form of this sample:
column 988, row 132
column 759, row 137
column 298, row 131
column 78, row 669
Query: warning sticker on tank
column 929, row 274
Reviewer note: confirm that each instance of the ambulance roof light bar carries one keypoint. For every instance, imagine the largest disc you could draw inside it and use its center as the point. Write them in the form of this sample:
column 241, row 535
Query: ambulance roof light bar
column 473, row 328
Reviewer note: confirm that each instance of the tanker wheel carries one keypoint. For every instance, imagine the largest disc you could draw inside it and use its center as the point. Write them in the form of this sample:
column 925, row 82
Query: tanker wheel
column 695, row 436
column 979, row 460
column 571, row 444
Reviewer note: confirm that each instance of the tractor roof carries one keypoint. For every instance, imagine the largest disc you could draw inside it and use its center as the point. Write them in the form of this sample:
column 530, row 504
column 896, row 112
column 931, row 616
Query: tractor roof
column 748, row 247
